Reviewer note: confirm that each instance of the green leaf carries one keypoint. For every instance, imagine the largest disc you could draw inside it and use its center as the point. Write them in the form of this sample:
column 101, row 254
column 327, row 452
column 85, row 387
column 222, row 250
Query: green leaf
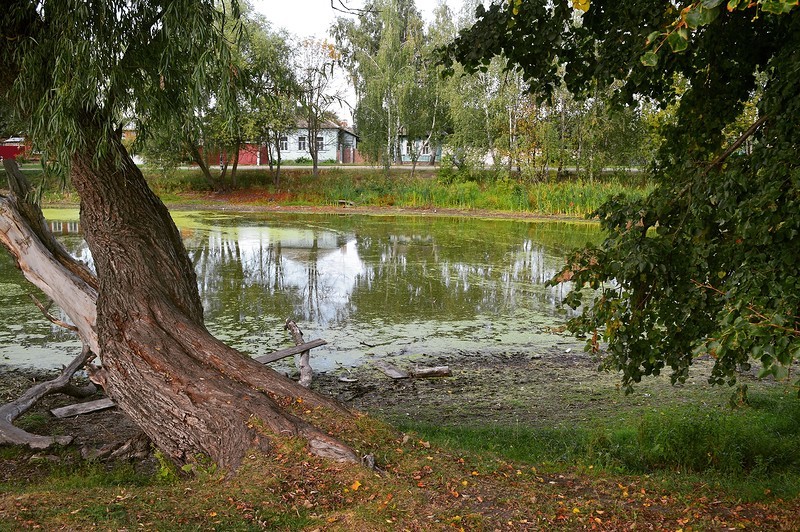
column 734, row 4
column 778, row 7
column 700, row 16
column 652, row 37
column 780, row 372
column 649, row 59
column 678, row 40
column 711, row 4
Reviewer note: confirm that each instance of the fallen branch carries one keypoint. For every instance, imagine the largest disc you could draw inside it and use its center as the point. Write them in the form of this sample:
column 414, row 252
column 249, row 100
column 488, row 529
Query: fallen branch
column 11, row 411
column 83, row 408
column 47, row 265
column 436, row 371
column 306, row 373
column 390, row 370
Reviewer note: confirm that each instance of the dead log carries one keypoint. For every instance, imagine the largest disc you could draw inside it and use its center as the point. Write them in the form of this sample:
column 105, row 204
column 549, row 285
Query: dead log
column 46, row 264
column 306, row 373
column 436, row 371
column 289, row 351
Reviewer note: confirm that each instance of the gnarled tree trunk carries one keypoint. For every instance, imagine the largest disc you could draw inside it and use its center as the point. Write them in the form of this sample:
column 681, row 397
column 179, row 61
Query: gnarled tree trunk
column 190, row 393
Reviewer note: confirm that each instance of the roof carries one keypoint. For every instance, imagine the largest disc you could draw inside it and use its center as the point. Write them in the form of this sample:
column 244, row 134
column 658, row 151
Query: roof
column 326, row 124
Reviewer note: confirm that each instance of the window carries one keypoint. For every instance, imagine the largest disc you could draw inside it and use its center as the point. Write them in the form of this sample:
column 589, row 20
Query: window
column 301, row 143
column 426, row 149
column 284, row 144
column 320, row 143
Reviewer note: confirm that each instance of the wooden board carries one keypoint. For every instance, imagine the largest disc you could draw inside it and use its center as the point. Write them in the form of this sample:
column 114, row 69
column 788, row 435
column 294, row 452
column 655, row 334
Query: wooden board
column 82, row 408
column 390, row 371
column 289, row 351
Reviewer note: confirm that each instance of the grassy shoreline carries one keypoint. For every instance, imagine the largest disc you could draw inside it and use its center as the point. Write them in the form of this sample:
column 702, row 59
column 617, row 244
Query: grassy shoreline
column 427, row 190
column 665, row 463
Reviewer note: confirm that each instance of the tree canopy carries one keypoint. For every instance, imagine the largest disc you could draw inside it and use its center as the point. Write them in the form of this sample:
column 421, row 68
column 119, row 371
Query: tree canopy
column 117, row 60
column 707, row 263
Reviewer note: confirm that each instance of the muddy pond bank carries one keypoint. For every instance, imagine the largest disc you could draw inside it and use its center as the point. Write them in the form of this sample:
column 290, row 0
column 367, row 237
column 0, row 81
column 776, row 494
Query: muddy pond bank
column 555, row 387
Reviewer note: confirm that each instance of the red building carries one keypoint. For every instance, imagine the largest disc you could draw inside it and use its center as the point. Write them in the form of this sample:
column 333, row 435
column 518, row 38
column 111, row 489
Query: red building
column 13, row 148
column 253, row 155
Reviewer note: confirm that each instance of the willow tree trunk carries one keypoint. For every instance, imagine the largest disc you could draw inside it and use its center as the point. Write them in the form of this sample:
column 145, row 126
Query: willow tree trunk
column 190, row 393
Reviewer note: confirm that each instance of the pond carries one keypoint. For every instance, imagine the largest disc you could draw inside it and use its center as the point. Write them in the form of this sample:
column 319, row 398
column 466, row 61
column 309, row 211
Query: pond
column 372, row 286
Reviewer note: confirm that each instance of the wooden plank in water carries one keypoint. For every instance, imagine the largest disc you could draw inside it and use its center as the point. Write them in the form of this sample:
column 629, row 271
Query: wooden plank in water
column 390, row 370
column 289, row 351
column 82, row 408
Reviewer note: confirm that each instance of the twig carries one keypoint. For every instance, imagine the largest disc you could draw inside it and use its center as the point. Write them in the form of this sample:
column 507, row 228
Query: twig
column 752, row 308
column 50, row 317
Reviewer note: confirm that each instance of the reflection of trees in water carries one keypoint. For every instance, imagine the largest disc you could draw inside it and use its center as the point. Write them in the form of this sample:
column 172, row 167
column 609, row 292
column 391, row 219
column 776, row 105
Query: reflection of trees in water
column 427, row 276
column 18, row 312
column 389, row 268
column 392, row 271
column 255, row 274
column 337, row 270
column 331, row 269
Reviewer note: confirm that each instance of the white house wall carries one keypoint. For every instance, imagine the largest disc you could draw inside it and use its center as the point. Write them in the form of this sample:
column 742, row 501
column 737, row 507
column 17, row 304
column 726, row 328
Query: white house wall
column 328, row 153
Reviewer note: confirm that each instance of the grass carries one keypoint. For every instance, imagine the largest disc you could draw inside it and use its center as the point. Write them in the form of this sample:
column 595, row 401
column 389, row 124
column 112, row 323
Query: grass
column 437, row 478
column 750, row 451
column 428, row 188
column 691, row 462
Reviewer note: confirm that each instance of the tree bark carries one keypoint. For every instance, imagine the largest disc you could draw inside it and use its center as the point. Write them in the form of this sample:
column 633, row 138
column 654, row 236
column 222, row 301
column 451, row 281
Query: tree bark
column 190, row 393
column 235, row 166
column 197, row 157
column 44, row 261
column 47, row 265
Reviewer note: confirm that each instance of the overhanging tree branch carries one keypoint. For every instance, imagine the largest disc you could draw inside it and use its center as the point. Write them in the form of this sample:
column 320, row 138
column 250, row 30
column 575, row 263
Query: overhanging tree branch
column 735, row 146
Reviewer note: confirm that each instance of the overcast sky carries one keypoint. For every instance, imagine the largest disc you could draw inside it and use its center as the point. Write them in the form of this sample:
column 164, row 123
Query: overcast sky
column 306, row 18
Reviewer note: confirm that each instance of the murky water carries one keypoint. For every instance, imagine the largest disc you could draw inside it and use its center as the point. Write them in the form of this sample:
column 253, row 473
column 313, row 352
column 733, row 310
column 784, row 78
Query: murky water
column 370, row 285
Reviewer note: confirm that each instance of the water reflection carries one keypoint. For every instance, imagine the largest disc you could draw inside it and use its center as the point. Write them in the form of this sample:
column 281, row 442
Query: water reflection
column 380, row 285
column 258, row 270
